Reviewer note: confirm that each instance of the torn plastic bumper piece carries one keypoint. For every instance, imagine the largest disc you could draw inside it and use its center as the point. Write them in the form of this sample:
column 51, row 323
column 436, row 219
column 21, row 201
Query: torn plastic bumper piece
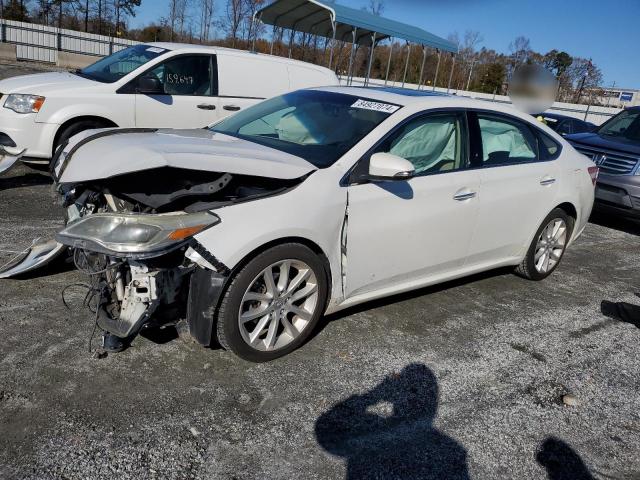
column 38, row 255
column 204, row 293
column 9, row 157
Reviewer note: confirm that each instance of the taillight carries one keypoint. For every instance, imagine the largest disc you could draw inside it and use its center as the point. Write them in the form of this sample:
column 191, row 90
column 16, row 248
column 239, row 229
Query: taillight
column 593, row 173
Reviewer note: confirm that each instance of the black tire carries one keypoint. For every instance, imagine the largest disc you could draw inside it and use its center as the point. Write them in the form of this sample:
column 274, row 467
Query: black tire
column 75, row 128
column 227, row 326
column 527, row 268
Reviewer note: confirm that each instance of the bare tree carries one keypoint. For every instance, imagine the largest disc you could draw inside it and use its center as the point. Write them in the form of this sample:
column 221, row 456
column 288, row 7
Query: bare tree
column 206, row 19
column 235, row 14
column 252, row 28
column 376, row 7
column 177, row 17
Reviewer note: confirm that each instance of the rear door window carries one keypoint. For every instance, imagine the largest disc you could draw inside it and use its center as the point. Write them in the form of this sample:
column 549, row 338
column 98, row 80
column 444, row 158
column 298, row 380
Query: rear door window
column 506, row 141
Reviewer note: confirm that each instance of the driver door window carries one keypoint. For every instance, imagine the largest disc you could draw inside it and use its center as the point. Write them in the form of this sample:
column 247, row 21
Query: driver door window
column 189, row 87
column 186, row 75
column 432, row 143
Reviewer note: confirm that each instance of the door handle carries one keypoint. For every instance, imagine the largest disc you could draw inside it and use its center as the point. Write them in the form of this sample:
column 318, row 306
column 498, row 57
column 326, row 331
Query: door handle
column 231, row 108
column 547, row 181
column 464, row 194
column 206, row 106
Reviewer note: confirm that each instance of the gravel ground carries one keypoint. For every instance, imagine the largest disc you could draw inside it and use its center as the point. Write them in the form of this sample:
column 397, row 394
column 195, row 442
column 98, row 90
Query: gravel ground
column 464, row 380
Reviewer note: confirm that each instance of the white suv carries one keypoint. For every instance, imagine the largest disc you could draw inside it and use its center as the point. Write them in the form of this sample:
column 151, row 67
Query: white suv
column 147, row 85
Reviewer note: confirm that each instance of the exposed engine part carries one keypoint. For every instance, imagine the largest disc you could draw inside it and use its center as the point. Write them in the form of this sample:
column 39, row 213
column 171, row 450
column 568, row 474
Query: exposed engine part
column 146, row 289
column 190, row 190
column 172, row 189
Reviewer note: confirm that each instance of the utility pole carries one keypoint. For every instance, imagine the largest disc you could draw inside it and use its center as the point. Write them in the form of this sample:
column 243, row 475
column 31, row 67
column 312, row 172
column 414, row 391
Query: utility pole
column 609, row 96
column 584, row 79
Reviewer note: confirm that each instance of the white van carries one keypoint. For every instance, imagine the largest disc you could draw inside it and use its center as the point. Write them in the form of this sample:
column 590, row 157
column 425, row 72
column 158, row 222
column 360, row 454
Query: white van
column 148, row 85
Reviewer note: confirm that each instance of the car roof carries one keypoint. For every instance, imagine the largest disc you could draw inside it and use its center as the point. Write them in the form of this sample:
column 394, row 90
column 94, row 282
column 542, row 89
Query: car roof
column 189, row 47
column 425, row 99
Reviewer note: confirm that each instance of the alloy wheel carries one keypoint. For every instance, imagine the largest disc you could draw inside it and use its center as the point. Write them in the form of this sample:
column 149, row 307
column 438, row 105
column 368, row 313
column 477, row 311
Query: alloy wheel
column 550, row 245
column 278, row 305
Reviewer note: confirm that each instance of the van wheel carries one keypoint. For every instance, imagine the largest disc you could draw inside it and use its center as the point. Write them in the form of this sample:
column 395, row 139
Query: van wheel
column 273, row 304
column 75, row 128
column 547, row 247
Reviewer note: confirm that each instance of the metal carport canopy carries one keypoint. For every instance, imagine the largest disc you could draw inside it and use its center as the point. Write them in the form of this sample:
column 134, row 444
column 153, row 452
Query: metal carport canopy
column 320, row 18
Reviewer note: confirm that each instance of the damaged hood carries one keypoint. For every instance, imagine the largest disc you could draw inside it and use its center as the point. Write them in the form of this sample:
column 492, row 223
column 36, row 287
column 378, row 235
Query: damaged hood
column 114, row 152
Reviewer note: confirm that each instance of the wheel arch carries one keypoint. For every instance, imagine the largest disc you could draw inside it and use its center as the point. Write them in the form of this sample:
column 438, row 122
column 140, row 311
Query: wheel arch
column 569, row 209
column 313, row 246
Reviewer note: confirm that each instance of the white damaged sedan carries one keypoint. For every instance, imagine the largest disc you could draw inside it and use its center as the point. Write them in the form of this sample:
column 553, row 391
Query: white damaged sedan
column 309, row 203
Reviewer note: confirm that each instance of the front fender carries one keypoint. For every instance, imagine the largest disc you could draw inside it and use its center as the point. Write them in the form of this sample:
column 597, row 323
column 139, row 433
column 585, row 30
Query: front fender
column 314, row 211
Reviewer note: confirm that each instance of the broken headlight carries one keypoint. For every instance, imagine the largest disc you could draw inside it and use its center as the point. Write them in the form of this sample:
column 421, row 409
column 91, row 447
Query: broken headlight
column 134, row 235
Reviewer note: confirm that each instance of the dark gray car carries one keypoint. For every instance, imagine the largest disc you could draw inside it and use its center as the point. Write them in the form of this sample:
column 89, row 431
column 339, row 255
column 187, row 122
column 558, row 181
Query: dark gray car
column 615, row 148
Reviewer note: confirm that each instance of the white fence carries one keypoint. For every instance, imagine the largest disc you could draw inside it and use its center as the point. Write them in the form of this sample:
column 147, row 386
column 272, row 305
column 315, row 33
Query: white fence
column 41, row 43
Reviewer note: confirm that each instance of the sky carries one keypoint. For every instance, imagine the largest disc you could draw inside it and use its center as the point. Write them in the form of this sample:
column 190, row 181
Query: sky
column 607, row 32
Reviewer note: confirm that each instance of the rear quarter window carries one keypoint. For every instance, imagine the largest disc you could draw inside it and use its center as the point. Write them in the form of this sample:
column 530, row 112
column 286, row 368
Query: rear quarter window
column 548, row 148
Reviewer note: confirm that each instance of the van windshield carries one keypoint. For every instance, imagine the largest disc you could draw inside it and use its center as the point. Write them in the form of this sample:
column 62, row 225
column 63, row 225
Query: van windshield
column 315, row 125
column 112, row 68
column 625, row 125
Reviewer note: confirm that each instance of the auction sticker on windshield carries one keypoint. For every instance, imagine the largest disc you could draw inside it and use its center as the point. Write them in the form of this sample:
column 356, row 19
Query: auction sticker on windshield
column 378, row 107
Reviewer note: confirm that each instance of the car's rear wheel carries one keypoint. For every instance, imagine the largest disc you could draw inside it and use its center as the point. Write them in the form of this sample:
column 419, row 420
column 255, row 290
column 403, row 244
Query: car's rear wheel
column 547, row 247
column 273, row 304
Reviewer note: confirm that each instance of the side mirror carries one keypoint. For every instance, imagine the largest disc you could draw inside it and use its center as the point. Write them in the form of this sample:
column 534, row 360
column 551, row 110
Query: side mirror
column 386, row 166
column 150, row 85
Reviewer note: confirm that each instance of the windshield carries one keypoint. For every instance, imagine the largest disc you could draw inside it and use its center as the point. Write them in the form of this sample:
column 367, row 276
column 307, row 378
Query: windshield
column 315, row 125
column 112, row 68
column 625, row 125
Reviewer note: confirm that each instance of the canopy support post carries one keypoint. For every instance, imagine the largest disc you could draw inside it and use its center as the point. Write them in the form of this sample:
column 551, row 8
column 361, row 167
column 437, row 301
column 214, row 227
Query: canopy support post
column 255, row 20
column 333, row 42
column 424, row 60
column 435, row 78
column 406, row 65
column 273, row 39
column 373, row 47
column 386, row 78
column 293, row 32
column 351, row 55
column 453, row 64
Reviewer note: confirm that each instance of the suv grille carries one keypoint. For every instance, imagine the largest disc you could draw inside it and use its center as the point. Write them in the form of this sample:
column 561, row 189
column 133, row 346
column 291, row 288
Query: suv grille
column 610, row 162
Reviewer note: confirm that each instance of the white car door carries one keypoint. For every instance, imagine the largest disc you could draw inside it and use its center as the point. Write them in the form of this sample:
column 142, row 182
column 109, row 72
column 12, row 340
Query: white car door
column 406, row 232
column 188, row 101
column 518, row 188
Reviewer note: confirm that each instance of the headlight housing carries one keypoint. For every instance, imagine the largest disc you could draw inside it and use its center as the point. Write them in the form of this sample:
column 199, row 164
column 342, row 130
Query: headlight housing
column 134, row 235
column 20, row 103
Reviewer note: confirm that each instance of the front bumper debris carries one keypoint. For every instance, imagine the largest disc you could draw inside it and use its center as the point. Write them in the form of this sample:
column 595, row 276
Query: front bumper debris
column 9, row 158
column 38, row 255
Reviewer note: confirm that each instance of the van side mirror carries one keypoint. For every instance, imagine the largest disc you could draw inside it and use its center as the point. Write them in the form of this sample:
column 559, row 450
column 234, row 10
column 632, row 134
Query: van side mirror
column 386, row 166
column 150, row 85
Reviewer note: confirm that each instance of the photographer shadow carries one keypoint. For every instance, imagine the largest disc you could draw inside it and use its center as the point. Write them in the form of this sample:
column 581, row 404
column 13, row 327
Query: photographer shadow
column 561, row 462
column 388, row 432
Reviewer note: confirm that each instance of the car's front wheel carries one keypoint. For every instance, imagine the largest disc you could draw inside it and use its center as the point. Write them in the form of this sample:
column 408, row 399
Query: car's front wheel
column 548, row 246
column 273, row 304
